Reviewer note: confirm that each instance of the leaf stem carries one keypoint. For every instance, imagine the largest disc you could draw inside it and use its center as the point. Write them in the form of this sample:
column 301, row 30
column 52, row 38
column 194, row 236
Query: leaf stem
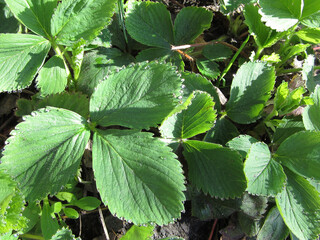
column 31, row 236
column 225, row 71
column 293, row 70
column 103, row 224
column 258, row 53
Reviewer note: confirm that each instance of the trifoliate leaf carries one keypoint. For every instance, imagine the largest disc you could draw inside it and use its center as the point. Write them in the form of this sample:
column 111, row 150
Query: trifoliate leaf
column 137, row 97
column 193, row 82
column 273, row 227
column 137, row 176
column 265, row 176
column 99, row 64
column 299, row 205
column 208, row 68
column 64, row 234
column 190, row 23
column 300, row 153
column 139, row 233
column 53, row 76
column 311, row 114
column 311, row 35
column 76, row 19
column 250, row 90
column 43, row 155
column 49, row 225
column 216, row 52
column 214, row 169
column 286, row 128
column 242, row 144
column 150, row 23
column 263, row 35
column 35, row 14
column 197, row 118
column 222, row 132
column 21, row 56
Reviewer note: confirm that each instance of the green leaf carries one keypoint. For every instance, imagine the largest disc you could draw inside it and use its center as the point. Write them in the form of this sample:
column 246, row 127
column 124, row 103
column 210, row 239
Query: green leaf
column 197, row 118
column 35, row 14
column 99, row 64
column 150, row 23
column 250, row 90
column 273, row 58
column 249, row 225
column 87, row 203
column 299, row 205
column 137, row 176
column 32, row 214
column 286, row 128
column 216, row 52
column 8, row 23
column 300, row 153
column 206, row 208
column 43, row 155
column 311, row 35
column 75, row 102
column 308, row 73
column 265, row 176
column 49, row 225
column 137, row 97
column 64, row 234
column 139, row 233
column 273, row 227
column 163, row 55
column 222, row 132
column 228, row 6
column 263, row 35
column 242, row 144
column 21, row 56
column 208, row 68
column 11, row 205
column 193, row 82
column 282, row 14
column 214, row 169
column 311, row 114
column 66, row 196
column 76, row 19
column 285, row 100
column 190, row 23
column 293, row 50
column 9, row 236
column 253, row 206
column 53, row 76
column 71, row 213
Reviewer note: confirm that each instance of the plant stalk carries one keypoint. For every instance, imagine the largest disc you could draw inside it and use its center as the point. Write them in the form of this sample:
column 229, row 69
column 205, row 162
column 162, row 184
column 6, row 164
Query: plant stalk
column 226, row 70
column 31, row 236
column 105, row 230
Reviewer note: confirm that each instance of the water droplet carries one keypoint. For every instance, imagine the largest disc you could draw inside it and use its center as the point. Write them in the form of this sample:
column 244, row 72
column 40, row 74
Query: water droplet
column 182, row 80
column 183, row 86
column 180, row 97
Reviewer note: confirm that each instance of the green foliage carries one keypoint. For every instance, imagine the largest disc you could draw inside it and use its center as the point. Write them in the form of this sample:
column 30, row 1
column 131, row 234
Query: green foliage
column 138, row 233
column 21, row 56
column 121, row 92
column 136, row 97
column 129, row 164
column 250, row 90
column 57, row 147
column 207, row 169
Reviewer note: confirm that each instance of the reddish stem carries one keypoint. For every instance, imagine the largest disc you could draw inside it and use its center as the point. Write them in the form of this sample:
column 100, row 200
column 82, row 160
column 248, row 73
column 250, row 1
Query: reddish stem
column 212, row 230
